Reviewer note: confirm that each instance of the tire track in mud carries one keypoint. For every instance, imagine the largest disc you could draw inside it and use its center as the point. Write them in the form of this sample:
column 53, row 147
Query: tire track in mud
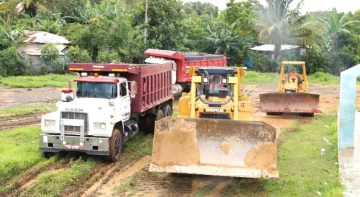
column 104, row 172
column 11, row 122
column 31, row 176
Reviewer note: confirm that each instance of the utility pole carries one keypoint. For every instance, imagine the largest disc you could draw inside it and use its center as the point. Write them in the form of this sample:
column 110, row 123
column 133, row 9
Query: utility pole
column 146, row 20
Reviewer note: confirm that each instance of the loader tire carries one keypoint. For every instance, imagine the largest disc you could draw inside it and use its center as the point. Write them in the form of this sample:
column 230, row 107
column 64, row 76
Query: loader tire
column 307, row 114
column 115, row 146
column 274, row 113
column 150, row 121
column 167, row 110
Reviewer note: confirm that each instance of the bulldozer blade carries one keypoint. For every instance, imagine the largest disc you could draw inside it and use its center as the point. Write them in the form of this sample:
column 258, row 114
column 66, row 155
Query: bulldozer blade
column 290, row 103
column 215, row 147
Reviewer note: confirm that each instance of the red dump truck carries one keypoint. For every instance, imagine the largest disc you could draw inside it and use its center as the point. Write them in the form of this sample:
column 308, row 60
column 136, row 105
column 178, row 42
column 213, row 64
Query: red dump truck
column 181, row 62
column 111, row 102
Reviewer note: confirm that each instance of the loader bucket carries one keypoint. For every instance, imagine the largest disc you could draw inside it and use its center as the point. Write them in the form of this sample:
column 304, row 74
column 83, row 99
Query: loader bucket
column 290, row 102
column 215, row 147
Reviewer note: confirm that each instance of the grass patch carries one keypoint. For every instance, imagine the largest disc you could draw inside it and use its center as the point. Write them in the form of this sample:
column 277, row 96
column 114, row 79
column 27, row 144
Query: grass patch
column 324, row 79
column 37, row 81
column 303, row 170
column 14, row 182
column 53, row 183
column 320, row 78
column 24, row 110
column 253, row 77
column 19, row 151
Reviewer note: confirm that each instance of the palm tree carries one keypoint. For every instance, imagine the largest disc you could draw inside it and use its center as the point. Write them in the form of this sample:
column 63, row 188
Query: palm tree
column 221, row 37
column 336, row 25
column 278, row 24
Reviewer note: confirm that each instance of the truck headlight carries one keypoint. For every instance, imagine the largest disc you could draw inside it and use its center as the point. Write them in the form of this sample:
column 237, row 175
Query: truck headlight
column 224, row 81
column 103, row 126
column 49, row 123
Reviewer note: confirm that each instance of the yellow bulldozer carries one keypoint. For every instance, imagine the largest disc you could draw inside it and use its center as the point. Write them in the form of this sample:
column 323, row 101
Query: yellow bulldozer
column 214, row 133
column 293, row 93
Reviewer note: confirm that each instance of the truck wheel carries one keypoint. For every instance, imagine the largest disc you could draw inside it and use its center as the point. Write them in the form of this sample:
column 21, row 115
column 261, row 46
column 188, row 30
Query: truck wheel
column 47, row 155
column 115, row 145
column 150, row 121
column 159, row 115
column 167, row 110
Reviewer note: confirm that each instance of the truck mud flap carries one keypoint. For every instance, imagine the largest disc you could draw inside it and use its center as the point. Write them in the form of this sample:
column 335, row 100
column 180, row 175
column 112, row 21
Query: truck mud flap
column 215, row 147
column 290, row 103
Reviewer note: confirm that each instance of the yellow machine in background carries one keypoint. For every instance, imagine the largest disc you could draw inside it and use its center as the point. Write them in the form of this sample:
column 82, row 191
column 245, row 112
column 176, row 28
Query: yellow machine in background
column 214, row 134
column 293, row 95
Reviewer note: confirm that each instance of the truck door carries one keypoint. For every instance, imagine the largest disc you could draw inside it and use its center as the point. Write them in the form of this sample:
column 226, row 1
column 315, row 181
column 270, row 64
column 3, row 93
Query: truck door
column 123, row 108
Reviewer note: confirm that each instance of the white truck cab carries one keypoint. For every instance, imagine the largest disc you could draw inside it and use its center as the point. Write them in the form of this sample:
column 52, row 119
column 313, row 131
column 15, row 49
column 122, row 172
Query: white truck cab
column 87, row 120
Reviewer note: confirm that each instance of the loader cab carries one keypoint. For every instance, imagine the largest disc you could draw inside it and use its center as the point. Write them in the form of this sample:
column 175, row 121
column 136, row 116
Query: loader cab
column 216, row 81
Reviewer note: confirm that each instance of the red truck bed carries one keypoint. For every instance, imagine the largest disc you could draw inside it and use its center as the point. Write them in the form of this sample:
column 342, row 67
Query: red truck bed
column 185, row 59
column 153, row 81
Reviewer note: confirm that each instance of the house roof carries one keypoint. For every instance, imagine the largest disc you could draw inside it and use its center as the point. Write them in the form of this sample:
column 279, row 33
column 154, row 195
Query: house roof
column 271, row 47
column 41, row 37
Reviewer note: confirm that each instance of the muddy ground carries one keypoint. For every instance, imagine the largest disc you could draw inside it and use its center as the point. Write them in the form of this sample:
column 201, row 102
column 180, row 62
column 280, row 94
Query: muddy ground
column 131, row 178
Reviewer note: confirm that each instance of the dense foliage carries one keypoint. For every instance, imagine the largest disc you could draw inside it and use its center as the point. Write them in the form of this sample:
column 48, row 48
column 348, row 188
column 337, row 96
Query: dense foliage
column 113, row 31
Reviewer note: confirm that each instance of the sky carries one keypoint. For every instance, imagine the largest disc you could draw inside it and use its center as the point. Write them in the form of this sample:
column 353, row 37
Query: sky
column 310, row 5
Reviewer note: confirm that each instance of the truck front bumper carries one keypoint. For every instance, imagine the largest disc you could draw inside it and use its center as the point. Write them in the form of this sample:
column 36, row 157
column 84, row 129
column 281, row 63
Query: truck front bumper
column 91, row 146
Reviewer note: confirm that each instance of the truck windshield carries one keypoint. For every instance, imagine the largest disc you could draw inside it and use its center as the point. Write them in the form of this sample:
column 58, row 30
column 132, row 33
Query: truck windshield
column 96, row 90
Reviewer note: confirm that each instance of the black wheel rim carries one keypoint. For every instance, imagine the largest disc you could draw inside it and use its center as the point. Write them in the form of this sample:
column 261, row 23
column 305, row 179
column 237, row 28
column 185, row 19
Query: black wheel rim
column 117, row 146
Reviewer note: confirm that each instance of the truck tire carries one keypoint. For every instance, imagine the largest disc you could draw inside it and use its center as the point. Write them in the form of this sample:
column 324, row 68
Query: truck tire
column 150, row 121
column 167, row 110
column 47, row 155
column 115, row 145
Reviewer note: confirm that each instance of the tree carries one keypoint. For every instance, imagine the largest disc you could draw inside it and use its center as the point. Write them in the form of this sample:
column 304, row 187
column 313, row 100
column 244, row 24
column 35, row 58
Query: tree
column 28, row 6
column 278, row 24
column 228, row 42
column 109, row 27
column 243, row 15
column 201, row 8
column 165, row 26
column 336, row 25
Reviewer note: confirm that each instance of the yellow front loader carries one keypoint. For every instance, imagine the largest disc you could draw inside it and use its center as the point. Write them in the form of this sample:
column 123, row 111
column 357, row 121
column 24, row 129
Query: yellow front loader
column 214, row 133
column 293, row 93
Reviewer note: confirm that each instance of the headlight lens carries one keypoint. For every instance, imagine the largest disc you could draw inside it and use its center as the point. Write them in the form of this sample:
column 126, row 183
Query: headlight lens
column 224, row 81
column 205, row 80
column 47, row 123
column 103, row 126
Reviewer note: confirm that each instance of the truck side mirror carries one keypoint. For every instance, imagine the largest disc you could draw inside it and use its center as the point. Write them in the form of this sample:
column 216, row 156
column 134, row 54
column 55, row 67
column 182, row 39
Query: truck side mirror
column 133, row 89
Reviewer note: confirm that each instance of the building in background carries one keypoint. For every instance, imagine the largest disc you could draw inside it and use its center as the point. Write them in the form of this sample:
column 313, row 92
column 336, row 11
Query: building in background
column 33, row 41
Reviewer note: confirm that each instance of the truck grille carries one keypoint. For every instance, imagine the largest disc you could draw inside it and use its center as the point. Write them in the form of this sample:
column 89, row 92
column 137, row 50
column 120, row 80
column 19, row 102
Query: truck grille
column 74, row 116
column 215, row 116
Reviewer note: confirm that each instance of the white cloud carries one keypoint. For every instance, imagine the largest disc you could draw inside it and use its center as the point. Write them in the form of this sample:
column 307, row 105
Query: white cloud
column 310, row 5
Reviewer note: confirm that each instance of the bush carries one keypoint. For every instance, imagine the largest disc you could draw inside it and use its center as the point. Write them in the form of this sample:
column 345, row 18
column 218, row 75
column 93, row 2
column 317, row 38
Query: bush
column 78, row 55
column 11, row 63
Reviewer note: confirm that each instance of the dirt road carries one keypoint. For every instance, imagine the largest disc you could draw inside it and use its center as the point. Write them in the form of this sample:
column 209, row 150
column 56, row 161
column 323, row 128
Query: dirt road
column 11, row 122
column 22, row 96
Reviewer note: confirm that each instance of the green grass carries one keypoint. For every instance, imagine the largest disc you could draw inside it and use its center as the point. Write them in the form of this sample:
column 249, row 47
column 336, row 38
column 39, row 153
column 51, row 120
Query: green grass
column 19, row 151
column 24, row 109
column 37, row 81
column 319, row 78
column 303, row 170
column 324, row 79
column 53, row 183
column 253, row 78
